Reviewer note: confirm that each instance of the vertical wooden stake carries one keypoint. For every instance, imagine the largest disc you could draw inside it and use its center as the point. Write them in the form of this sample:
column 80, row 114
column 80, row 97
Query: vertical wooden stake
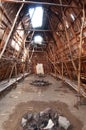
column 16, row 71
column 80, row 50
column 62, row 72
column 11, row 72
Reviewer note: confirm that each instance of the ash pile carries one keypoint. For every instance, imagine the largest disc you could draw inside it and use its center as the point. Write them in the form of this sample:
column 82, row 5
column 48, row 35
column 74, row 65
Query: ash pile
column 45, row 120
column 40, row 83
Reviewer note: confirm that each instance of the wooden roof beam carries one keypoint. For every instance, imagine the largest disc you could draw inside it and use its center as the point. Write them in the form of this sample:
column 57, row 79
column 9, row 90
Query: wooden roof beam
column 36, row 30
column 40, row 3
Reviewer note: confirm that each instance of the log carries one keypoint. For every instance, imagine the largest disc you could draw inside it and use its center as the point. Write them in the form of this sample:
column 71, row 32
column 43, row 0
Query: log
column 80, row 52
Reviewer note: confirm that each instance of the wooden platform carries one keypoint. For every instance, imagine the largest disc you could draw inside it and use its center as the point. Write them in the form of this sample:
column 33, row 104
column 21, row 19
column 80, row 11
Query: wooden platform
column 73, row 84
column 5, row 83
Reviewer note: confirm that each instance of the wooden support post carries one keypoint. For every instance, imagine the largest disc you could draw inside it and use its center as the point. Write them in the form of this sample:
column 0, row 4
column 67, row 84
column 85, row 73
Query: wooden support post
column 16, row 70
column 55, row 68
column 14, row 64
column 11, row 72
column 30, row 57
column 68, row 41
column 80, row 50
column 62, row 72
column 62, row 59
column 7, row 72
column 69, row 44
column 40, row 3
column 2, row 41
column 23, row 69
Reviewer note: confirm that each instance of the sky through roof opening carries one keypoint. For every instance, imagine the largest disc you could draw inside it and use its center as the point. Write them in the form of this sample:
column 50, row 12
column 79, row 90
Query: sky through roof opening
column 36, row 15
column 38, row 39
column 72, row 16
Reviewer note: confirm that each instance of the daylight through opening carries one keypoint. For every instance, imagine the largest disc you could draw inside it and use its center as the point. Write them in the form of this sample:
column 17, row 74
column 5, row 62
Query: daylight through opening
column 36, row 15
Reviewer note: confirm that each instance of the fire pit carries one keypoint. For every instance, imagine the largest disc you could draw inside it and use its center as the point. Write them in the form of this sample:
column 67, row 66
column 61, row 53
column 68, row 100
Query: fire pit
column 41, row 75
column 40, row 83
column 45, row 120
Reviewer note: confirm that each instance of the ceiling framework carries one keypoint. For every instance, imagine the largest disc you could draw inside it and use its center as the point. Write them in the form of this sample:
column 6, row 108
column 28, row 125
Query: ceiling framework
column 63, row 48
column 39, row 3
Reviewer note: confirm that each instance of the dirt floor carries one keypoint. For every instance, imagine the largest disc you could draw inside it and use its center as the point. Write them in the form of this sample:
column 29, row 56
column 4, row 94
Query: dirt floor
column 27, row 98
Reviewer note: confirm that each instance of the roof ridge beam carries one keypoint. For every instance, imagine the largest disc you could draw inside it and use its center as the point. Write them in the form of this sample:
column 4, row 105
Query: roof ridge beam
column 40, row 3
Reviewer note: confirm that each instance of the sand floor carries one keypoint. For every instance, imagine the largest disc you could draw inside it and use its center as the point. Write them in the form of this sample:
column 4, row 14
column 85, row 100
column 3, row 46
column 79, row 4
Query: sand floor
column 25, row 98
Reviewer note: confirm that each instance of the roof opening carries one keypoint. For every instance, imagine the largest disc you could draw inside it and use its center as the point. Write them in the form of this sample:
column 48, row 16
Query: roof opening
column 67, row 25
column 38, row 39
column 72, row 16
column 36, row 15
